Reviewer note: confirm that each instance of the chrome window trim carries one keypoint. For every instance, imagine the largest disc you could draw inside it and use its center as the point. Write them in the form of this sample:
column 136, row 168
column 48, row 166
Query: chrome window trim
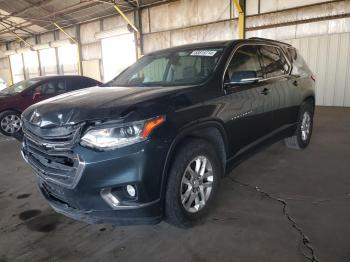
column 257, row 44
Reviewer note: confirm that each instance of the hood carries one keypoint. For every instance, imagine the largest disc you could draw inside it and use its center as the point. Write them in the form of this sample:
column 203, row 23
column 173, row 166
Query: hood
column 95, row 103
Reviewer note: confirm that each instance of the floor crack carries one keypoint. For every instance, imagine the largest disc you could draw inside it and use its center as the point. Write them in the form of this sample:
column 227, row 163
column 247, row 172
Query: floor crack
column 305, row 240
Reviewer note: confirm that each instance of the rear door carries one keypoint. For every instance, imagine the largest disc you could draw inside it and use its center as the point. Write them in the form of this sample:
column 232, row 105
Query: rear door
column 249, row 109
column 276, row 69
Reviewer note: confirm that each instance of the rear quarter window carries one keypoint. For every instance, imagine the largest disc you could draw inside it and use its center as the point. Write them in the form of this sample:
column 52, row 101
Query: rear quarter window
column 274, row 61
column 299, row 67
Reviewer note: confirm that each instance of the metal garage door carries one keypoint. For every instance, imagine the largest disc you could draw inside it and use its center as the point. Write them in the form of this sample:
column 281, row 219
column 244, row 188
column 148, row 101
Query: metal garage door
column 329, row 58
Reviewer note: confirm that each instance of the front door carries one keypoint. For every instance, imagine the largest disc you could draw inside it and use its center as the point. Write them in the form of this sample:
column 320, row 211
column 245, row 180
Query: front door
column 249, row 113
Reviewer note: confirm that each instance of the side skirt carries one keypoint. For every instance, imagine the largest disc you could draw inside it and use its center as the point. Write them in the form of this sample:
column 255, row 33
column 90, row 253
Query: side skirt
column 259, row 145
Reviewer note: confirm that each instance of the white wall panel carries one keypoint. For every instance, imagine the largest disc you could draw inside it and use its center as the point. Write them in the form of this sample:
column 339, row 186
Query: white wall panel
column 156, row 41
column 14, row 45
column 328, row 56
column 322, row 68
column 88, row 31
column 213, row 10
column 31, row 64
column 331, row 70
column 46, row 38
column 186, row 13
column 118, row 53
column 17, row 68
column 275, row 5
column 91, row 51
column 111, row 23
column 5, row 72
column 92, row 69
column 252, row 7
column 309, row 29
column 70, row 30
column 339, row 25
column 48, row 61
column 342, row 64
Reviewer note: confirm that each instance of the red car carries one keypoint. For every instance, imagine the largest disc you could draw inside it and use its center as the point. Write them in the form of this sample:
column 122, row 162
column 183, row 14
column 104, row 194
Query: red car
column 16, row 98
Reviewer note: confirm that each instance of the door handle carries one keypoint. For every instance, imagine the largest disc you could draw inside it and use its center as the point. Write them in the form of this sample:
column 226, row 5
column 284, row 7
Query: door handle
column 295, row 83
column 265, row 91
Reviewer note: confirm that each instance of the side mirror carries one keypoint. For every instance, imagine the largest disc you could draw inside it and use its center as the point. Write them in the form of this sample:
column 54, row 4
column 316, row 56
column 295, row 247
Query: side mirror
column 36, row 94
column 243, row 77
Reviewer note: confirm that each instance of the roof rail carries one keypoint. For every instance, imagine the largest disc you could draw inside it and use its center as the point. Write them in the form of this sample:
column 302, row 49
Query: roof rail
column 269, row 40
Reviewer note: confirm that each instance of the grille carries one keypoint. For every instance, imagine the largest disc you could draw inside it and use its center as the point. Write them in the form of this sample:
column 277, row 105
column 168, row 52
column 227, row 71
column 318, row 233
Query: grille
column 51, row 156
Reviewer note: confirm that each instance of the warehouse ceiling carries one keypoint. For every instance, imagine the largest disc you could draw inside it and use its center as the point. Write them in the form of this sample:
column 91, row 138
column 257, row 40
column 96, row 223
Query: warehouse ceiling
column 30, row 17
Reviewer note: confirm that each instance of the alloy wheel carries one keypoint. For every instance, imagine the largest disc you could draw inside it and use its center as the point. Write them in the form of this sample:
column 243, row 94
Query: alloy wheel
column 305, row 126
column 196, row 184
column 11, row 124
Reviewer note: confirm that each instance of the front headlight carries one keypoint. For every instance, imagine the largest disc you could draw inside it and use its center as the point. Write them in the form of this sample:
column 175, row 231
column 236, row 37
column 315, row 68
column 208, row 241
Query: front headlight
column 116, row 137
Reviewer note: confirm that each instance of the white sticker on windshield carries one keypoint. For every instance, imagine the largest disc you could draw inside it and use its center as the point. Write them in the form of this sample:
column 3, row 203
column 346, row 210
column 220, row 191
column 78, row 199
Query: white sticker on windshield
column 203, row 53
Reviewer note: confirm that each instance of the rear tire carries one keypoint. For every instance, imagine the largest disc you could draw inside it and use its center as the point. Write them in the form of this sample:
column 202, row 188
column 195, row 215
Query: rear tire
column 192, row 184
column 302, row 136
column 10, row 123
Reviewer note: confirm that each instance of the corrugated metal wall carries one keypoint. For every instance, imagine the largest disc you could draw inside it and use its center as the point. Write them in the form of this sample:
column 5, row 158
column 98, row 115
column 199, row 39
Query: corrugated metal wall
column 329, row 58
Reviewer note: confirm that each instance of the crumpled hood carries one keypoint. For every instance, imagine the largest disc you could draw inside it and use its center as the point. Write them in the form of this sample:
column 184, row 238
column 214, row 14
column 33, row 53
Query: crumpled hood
column 95, row 103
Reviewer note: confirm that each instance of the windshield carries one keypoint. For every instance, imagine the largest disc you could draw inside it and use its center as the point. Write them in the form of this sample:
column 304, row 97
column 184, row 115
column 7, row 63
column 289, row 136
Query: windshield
column 174, row 68
column 18, row 88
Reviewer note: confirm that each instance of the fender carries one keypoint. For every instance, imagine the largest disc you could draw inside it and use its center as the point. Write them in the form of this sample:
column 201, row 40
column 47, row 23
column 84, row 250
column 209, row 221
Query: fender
column 188, row 129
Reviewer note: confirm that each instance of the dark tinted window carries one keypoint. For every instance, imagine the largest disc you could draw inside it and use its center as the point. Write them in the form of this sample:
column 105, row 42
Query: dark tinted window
column 244, row 65
column 274, row 61
column 52, row 87
column 81, row 82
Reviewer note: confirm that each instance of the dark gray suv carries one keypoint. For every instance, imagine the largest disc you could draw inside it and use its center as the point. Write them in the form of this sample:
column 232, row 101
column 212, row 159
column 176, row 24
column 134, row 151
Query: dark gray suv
column 155, row 141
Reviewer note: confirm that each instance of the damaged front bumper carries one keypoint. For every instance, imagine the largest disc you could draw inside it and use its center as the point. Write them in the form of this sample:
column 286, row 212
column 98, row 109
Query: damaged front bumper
column 139, row 215
column 138, row 165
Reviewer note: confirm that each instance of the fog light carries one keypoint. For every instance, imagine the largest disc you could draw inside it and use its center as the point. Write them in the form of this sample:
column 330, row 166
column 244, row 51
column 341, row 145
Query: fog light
column 131, row 190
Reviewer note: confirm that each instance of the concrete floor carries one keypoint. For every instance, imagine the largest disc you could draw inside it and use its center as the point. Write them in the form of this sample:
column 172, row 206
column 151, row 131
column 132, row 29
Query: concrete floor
column 279, row 205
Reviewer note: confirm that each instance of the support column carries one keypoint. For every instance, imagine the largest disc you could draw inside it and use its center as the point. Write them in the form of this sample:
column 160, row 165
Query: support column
column 240, row 5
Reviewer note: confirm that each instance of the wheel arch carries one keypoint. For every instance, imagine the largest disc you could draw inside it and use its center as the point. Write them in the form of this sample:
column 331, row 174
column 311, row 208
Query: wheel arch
column 11, row 109
column 212, row 131
column 311, row 99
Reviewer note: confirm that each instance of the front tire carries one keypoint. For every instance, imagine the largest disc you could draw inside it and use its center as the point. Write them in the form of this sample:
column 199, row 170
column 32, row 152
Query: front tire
column 192, row 184
column 302, row 136
column 10, row 123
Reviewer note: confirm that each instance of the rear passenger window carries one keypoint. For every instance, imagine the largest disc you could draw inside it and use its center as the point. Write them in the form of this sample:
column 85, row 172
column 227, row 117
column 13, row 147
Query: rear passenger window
column 52, row 88
column 244, row 65
column 274, row 61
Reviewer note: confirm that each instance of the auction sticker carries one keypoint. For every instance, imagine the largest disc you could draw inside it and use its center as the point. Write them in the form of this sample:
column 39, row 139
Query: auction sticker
column 203, row 53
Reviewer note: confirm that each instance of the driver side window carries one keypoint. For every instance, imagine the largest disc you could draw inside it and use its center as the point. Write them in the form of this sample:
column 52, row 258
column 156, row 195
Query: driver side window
column 244, row 65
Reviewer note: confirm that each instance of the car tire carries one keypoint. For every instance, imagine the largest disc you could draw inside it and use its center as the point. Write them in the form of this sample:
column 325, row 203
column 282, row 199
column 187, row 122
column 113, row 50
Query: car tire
column 201, row 190
column 302, row 136
column 10, row 123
